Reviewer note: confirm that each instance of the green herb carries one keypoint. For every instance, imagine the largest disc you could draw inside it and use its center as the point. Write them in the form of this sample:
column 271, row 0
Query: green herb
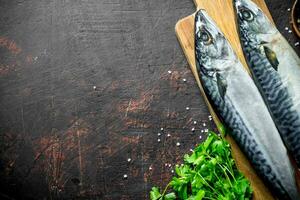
column 208, row 173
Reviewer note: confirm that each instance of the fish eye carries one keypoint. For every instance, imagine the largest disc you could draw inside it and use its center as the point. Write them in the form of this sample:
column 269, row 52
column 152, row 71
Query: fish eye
column 205, row 37
column 247, row 15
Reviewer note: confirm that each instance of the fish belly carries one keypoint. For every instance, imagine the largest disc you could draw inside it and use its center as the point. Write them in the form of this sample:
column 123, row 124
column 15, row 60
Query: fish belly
column 245, row 113
column 288, row 68
column 277, row 97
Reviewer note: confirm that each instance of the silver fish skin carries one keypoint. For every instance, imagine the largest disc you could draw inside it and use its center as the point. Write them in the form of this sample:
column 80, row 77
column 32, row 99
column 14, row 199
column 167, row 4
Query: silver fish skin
column 275, row 68
column 239, row 104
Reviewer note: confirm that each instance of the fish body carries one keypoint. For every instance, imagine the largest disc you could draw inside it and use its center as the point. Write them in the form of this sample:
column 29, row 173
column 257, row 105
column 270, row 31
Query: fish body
column 275, row 68
column 239, row 104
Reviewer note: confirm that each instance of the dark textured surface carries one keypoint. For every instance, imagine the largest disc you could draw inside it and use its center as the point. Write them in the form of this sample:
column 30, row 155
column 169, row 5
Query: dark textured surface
column 60, row 137
column 282, row 19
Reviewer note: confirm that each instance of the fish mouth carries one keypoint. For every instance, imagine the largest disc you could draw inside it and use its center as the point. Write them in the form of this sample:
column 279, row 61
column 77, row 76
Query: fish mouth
column 211, row 47
column 242, row 4
column 204, row 22
column 200, row 19
column 238, row 4
column 250, row 15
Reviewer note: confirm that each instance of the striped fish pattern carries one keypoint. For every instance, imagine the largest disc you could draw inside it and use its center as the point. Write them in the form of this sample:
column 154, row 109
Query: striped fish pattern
column 239, row 104
column 279, row 89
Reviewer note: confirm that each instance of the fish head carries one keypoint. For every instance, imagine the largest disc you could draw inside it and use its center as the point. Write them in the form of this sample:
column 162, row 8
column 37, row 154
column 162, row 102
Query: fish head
column 213, row 51
column 251, row 19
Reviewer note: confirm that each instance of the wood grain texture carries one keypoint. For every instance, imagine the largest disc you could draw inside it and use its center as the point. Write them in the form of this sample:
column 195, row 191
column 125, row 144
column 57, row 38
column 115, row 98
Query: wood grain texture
column 222, row 13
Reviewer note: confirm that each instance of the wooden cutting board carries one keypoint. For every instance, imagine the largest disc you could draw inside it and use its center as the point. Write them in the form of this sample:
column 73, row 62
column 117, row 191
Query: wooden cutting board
column 222, row 13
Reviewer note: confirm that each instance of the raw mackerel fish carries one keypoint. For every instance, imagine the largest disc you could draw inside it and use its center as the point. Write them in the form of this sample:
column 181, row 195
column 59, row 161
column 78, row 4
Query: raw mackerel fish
column 239, row 104
column 275, row 67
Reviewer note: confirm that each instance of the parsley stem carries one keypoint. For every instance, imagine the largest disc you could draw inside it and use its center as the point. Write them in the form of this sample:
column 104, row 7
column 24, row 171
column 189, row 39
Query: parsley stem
column 231, row 173
column 208, row 198
column 214, row 190
column 228, row 162
column 165, row 190
column 227, row 177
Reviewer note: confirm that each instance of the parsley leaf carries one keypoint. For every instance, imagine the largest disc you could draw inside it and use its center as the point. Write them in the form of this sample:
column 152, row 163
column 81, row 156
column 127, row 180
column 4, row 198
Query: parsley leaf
column 155, row 194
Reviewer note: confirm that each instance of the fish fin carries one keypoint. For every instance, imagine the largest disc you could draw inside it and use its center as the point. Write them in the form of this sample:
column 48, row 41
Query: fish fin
column 263, row 42
column 271, row 55
column 222, row 85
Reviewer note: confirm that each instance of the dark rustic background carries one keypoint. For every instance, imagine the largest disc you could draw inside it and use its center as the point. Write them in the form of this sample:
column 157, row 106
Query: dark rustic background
column 84, row 85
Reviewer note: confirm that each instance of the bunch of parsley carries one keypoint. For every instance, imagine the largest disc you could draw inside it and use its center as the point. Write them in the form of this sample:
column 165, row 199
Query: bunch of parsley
column 208, row 173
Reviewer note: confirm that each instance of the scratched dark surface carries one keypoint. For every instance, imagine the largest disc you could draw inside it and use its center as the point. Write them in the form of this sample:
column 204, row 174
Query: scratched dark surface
column 60, row 137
